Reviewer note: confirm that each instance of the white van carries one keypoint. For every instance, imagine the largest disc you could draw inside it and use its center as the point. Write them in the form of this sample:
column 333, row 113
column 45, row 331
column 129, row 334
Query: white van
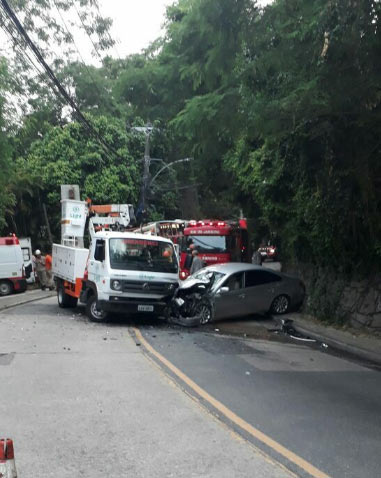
column 12, row 272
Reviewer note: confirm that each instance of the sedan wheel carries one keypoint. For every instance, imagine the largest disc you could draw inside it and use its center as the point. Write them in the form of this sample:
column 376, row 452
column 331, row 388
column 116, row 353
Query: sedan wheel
column 280, row 305
column 204, row 312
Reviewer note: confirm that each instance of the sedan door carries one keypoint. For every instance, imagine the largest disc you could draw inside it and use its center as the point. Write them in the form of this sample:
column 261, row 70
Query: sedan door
column 232, row 303
column 261, row 287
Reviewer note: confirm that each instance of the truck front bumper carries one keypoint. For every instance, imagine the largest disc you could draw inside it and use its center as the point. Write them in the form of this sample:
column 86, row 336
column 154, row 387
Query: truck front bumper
column 123, row 305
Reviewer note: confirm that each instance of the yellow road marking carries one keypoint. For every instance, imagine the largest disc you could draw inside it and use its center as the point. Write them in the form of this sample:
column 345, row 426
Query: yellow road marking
column 230, row 415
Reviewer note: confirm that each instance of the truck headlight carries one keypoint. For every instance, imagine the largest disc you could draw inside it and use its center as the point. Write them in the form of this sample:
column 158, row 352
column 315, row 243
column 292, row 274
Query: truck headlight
column 116, row 285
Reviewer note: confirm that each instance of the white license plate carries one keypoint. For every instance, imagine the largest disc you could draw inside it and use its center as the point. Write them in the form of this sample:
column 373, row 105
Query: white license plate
column 179, row 301
column 145, row 308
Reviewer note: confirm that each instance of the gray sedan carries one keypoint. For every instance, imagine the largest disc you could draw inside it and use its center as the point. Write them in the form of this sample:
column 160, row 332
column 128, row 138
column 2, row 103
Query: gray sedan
column 241, row 289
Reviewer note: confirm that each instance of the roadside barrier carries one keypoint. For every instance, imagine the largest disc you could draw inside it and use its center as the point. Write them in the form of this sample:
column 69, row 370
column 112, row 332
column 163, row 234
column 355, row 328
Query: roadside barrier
column 7, row 459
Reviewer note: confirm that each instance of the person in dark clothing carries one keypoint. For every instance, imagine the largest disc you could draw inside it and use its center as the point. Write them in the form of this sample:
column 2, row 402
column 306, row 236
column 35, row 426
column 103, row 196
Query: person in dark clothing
column 189, row 257
column 257, row 258
column 197, row 263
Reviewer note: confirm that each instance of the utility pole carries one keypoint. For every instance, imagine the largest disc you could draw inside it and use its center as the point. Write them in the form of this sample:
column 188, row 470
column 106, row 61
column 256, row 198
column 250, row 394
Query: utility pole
column 147, row 181
column 146, row 175
column 142, row 207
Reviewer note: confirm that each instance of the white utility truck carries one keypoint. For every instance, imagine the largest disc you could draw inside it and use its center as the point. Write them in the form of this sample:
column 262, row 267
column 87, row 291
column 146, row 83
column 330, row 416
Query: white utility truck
column 121, row 271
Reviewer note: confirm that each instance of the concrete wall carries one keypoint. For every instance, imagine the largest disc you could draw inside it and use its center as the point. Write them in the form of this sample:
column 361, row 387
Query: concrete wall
column 336, row 299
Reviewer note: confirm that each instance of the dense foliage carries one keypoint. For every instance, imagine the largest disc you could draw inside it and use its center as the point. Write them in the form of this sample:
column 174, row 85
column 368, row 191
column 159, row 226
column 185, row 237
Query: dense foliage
column 279, row 106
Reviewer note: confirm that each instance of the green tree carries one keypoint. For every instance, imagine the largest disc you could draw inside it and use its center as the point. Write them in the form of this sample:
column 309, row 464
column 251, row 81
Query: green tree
column 310, row 154
column 44, row 22
column 188, row 79
column 7, row 198
column 67, row 155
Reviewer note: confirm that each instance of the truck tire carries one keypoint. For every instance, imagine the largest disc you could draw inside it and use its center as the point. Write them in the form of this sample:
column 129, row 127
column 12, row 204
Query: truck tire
column 6, row 287
column 65, row 301
column 93, row 312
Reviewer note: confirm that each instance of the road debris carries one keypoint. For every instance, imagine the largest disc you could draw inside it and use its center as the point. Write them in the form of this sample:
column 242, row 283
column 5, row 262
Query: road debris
column 288, row 329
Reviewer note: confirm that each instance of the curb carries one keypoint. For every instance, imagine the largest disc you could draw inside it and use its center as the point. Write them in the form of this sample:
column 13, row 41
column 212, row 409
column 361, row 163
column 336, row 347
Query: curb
column 364, row 354
column 27, row 300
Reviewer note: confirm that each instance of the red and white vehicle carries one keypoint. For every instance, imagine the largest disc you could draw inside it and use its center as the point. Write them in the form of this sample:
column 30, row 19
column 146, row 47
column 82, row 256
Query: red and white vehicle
column 12, row 272
column 216, row 241
column 171, row 229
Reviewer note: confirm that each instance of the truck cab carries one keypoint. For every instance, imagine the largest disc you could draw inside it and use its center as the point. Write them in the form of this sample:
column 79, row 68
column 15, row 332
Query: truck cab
column 121, row 272
column 129, row 273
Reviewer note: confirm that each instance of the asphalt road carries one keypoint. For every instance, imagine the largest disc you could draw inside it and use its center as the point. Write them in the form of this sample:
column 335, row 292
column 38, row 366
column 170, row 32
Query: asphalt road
column 323, row 408
column 82, row 399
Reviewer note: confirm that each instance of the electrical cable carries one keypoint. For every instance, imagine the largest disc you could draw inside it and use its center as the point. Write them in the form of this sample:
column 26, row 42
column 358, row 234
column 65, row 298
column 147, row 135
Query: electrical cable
column 87, row 33
column 23, row 52
column 108, row 33
column 54, row 79
column 79, row 53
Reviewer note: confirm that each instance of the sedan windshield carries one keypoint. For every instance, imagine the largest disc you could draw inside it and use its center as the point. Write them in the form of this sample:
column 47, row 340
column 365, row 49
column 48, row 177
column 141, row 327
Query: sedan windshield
column 142, row 255
column 208, row 275
column 208, row 244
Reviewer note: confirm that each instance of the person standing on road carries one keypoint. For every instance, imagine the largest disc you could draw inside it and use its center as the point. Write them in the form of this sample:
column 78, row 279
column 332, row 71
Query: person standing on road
column 48, row 269
column 197, row 263
column 39, row 267
column 189, row 257
column 257, row 258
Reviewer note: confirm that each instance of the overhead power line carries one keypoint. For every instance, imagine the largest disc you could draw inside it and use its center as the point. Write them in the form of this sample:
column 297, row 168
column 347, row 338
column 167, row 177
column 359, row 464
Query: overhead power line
column 87, row 33
column 79, row 53
column 10, row 13
column 21, row 49
column 108, row 33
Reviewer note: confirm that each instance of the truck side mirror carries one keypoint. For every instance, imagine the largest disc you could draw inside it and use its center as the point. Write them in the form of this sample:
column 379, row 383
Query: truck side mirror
column 99, row 253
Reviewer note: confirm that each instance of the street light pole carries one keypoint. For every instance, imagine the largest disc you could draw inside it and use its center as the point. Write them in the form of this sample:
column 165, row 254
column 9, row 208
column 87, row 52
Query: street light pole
column 168, row 165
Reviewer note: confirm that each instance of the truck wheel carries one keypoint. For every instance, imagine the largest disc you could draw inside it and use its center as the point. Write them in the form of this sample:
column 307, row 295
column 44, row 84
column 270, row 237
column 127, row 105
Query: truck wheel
column 93, row 312
column 6, row 287
column 65, row 300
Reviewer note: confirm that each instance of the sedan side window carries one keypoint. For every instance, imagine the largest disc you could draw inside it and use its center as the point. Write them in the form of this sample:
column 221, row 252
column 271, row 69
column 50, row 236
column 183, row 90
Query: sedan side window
column 258, row 277
column 234, row 282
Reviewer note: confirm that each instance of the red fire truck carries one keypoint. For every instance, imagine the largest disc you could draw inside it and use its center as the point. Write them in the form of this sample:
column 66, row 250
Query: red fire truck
column 172, row 229
column 216, row 241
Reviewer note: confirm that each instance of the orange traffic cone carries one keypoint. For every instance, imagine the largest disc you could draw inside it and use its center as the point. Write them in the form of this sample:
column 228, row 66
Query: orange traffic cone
column 7, row 459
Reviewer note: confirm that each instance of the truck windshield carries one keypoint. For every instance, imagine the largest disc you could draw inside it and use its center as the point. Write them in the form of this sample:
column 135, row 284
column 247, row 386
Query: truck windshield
column 142, row 255
column 208, row 244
